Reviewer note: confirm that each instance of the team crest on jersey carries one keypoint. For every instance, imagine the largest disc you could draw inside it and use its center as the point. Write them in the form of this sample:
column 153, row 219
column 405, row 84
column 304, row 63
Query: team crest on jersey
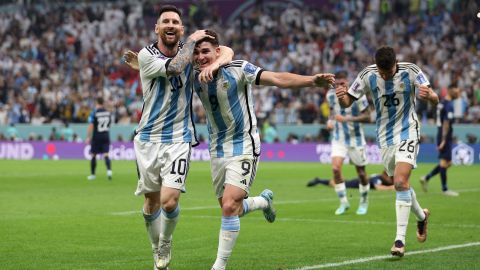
column 249, row 68
column 402, row 86
column 225, row 85
column 421, row 78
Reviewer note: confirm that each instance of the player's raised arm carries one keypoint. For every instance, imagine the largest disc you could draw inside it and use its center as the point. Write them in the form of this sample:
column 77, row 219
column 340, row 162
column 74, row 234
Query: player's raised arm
column 290, row 80
column 131, row 59
column 184, row 56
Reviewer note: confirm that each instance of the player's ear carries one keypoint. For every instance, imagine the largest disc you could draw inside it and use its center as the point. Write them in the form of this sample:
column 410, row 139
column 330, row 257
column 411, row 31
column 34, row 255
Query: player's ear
column 157, row 30
column 217, row 51
column 182, row 30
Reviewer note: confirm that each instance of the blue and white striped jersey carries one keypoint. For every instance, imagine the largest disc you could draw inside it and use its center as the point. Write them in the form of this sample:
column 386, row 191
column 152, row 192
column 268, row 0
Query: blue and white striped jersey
column 347, row 133
column 166, row 113
column 394, row 101
column 228, row 103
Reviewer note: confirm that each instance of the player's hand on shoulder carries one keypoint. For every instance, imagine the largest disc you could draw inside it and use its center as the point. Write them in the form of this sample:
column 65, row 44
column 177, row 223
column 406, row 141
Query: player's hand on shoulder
column 324, row 79
column 206, row 75
column 131, row 59
column 199, row 34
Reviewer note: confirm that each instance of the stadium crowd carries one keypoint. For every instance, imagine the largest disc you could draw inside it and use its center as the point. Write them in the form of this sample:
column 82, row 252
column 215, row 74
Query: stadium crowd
column 55, row 59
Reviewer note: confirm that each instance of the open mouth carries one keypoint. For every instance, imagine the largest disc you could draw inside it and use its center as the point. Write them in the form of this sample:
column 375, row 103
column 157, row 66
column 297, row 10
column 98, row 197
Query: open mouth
column 170, row 33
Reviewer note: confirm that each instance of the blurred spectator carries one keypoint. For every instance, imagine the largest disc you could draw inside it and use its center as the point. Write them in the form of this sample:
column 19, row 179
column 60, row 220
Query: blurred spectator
column 12, row 132
column 269, row 133
column 67, row 133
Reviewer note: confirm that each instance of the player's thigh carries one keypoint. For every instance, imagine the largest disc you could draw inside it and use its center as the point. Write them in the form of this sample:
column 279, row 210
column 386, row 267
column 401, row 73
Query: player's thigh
column 339, row 150
column 175, row 160
column 148, row 166
column 446, row 153
column 407, row 152
column 388, row 159
column 358, row 156
column 241, row 171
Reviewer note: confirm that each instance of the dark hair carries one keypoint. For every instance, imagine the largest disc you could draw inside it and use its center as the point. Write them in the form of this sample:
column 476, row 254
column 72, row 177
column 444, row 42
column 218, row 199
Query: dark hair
column 100, row 100
column 169, row 8
column 342, row 74
column 214, row 41
column 385, row 58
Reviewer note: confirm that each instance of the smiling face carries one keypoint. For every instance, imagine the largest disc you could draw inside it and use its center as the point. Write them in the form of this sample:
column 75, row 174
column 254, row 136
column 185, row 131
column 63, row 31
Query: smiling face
column 169, row 28
column 204, row 54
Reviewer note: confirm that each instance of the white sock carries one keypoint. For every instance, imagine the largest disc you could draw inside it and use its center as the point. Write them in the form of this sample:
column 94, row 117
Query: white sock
column 402, row 206
column 168, row 223
column 152, row 223
column 363, row 192
column 254, row 203
column 226, row 240
column 417, row 209
column 341, row 190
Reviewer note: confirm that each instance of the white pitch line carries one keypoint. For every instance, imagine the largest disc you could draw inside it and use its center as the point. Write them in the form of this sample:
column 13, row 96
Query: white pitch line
column 382, row 257
column 126, row 213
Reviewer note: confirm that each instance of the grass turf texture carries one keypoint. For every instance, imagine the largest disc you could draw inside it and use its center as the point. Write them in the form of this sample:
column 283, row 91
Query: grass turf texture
column 53, row 218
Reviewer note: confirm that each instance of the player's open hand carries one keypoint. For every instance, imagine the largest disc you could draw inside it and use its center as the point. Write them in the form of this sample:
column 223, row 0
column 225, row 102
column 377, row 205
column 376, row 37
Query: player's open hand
column 206, row 75
column 340, row 118
column 131, row 59
column 199, row 34
column 324, row 79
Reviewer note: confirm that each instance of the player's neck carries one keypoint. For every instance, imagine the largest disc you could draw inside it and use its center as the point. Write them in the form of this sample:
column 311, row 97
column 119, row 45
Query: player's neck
column 169, row 51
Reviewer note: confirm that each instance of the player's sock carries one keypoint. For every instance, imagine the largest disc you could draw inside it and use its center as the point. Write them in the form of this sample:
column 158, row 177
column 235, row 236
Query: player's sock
column 434, row 172
column 93, row 165
column 402, row 206
column 254, row 203
column 417, row 210
column 226, row 240
column 108, row 163
column 443, row 178
column 341, row 192
column 363, row 189
column 168, row 222
column 152, row 223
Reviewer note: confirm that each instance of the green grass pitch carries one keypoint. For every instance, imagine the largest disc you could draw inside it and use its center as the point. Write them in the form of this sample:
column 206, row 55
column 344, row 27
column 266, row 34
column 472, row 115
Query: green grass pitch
column 51, row 217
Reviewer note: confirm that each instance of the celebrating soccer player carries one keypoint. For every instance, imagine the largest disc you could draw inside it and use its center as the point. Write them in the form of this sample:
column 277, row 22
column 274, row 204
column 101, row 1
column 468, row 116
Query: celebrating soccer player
column 348, row 140
column 394, row 87
column 165, row 134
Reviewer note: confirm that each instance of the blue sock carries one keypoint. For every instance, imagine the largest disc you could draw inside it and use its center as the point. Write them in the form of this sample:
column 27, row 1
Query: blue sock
column 434, row 172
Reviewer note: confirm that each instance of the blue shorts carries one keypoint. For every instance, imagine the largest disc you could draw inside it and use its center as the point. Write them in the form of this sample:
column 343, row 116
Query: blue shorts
column 446, row 152
column 100, row 146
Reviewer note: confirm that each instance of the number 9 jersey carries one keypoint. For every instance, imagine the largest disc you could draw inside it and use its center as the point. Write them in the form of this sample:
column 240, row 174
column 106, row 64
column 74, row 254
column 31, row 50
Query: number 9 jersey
column 394, row 101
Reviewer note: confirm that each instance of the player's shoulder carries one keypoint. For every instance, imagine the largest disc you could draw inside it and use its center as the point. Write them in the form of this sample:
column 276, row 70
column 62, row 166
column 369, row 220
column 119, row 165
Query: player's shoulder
column 372, row 69
column 410, row 67
column 235, row 64
column 149, row 50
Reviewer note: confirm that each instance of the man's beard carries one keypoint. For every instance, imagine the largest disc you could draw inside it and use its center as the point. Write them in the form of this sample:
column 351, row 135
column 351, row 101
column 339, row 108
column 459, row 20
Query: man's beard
column 169, row 44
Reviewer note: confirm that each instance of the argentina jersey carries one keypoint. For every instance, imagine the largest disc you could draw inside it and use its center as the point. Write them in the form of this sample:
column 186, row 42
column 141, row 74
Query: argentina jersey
column 347, row 133
column 394, row 101
column 228, row 103
column 166, row 114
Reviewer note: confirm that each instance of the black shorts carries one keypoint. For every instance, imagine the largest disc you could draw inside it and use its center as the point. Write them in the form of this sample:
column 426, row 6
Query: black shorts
column 100, row 146
column 446, row 152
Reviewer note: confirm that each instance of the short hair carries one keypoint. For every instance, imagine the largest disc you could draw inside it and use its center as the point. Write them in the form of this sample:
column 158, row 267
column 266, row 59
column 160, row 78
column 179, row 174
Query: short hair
column 214, row 41
column 100, row 100
column 342, row 74
column 169, row 8
column 385, row 58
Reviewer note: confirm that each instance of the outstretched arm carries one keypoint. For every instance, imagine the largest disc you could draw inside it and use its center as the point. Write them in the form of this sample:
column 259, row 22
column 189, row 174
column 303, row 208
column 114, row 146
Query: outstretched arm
column 290, row 80
column 225, row 57
column 184, row 56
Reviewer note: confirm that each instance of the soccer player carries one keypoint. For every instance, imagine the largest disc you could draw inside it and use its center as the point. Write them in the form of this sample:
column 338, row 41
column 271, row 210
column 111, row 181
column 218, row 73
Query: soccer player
column 444, row 141
column 98, row 134
column 348, row 140
column 234, row 140
column 165, row 133
column 377, row 181
column 394, row 87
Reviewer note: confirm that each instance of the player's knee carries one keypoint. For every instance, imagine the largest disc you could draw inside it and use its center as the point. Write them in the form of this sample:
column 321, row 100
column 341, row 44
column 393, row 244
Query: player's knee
column 230, row 207
column 170, row 204
column 151, row 206
column 400, row 185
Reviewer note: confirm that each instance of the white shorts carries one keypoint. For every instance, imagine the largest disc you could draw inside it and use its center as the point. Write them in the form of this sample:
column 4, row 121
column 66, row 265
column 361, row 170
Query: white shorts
column 238, row 171
column 357, row 155
column 161, row 164
column 406, row 151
